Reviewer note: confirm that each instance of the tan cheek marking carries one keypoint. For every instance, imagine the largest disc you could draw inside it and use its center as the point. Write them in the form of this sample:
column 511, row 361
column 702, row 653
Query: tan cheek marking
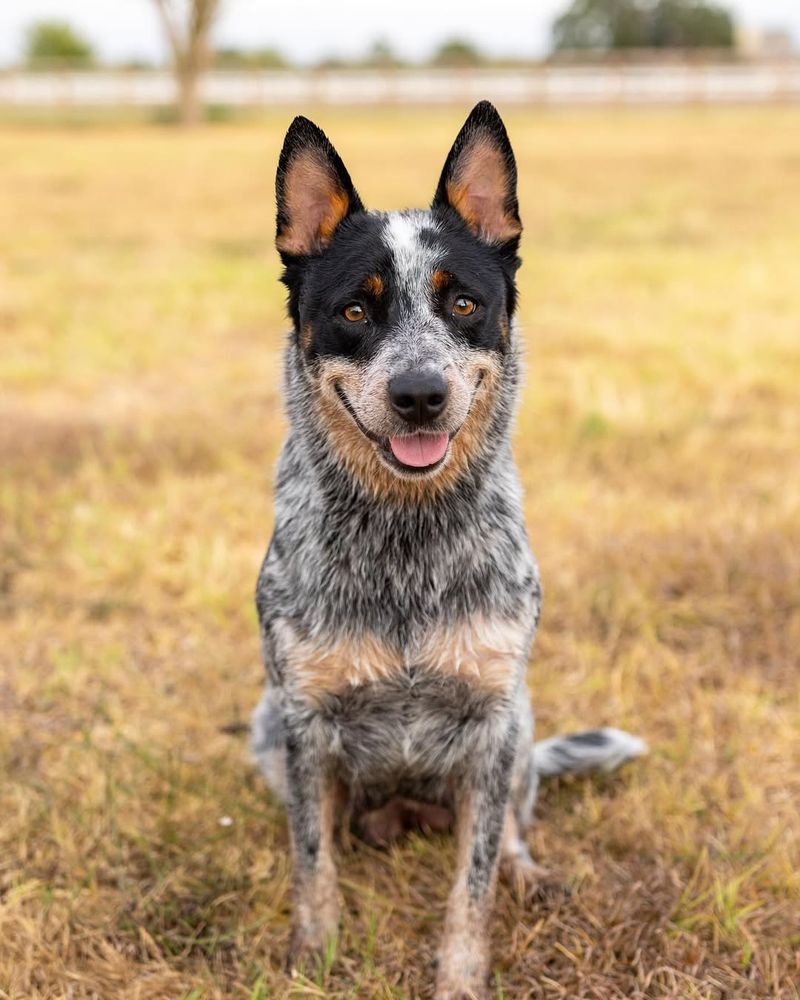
column 359, row 454
column 469, row 440
column 356, row 452
column 320, row 668
column 479, row 191
column 306, row 335
column 374, row 285
column 484, row 653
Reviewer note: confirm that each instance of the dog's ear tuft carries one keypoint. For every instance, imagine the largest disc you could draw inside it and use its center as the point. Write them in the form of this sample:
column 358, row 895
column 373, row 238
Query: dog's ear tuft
column 479, row 179
column 313, row 189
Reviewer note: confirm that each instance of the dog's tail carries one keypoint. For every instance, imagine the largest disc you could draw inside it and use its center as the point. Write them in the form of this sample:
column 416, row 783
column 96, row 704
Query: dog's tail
column 593, row 750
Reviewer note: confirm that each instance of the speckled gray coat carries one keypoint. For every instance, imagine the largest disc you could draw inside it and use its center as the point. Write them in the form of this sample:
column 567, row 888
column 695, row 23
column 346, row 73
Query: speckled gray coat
column 397, row 602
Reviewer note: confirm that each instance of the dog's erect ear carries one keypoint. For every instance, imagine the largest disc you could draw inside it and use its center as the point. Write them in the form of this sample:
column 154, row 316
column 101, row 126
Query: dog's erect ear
column 313, row 189
column 479, row 179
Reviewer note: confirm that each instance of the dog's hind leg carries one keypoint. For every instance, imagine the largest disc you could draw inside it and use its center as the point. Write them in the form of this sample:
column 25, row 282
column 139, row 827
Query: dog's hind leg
column 381, row 827
column 268, row 741
column 517, row 867
column 579, row 753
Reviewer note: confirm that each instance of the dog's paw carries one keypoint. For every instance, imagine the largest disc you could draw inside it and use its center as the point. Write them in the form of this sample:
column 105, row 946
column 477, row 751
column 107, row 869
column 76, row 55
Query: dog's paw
column 531, row 882
column 462, row 977
column 454, row 991
column 309, row 951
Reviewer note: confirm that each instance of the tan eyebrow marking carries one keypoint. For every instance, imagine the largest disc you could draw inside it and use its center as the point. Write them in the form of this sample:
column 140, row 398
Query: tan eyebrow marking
column 374, row 285
column 440, row 280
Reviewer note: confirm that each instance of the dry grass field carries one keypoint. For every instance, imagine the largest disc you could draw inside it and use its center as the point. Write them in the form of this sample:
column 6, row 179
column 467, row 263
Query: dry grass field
column 141, row 325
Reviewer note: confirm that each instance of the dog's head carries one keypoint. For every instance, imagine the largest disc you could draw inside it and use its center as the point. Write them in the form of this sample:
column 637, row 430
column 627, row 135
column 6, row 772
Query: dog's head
column 402, row 320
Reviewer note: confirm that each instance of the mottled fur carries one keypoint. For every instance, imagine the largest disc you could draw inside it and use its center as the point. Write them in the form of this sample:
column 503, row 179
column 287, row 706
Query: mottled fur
column 398, row 604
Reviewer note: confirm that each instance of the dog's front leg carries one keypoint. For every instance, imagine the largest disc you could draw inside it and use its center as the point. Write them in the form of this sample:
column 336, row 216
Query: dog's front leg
column 480, row 809
column 311, row 802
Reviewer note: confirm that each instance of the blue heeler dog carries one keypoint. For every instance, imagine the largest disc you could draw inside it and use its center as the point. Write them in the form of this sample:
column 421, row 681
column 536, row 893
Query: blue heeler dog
column 399, row 598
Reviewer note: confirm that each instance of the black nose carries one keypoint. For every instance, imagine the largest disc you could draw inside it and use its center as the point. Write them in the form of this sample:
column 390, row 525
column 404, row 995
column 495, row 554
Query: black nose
column 418, row 396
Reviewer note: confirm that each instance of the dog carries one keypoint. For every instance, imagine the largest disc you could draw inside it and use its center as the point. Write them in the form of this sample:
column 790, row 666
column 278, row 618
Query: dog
column 399, row 597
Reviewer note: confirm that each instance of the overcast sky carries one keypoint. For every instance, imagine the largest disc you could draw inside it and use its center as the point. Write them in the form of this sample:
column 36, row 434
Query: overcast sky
column 305, row 30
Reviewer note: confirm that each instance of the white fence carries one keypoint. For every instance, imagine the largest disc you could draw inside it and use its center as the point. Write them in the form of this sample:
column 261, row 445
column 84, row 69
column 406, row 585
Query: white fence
column 546, row 85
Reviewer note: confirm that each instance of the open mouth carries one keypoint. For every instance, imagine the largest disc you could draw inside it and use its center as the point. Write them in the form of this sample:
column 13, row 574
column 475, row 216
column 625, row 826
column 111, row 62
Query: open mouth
column 419, row 451
column 416, row 453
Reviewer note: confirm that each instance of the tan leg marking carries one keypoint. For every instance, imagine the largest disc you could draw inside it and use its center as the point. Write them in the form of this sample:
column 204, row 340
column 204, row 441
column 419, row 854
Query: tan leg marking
column 316, row 903
column 464, row 952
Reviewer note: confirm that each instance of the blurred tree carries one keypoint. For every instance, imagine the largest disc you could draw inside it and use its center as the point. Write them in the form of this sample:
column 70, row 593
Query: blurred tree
column 457, row 53
column 52, row 44
column 685, row 24
column 187, row 25
column 333, row 62
column 601, row 24
column 136, row 63
column 381, row 55
column 625, row 24
column 230, row 58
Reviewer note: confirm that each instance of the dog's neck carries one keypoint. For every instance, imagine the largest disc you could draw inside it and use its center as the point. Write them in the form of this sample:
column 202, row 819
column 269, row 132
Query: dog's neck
column 390, row 564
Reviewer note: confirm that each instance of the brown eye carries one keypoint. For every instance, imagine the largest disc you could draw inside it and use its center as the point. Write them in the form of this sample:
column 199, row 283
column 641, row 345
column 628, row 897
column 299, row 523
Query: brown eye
column 464, row 306
column 353, row 313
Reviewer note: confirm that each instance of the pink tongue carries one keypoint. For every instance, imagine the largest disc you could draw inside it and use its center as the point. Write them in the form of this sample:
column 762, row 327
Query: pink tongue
column 419, row 450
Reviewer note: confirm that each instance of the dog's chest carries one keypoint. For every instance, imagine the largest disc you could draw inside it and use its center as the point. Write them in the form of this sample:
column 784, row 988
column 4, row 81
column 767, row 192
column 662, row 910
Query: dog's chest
column 480, row 653
column 395, row 719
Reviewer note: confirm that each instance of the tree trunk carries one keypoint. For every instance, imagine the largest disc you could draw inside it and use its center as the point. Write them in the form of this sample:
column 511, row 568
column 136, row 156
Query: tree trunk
column 190, row 106
column 189, row 42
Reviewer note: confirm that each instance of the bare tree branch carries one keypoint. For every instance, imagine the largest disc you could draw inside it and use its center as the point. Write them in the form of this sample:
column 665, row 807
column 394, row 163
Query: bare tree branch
column 171, row 30
column 188, row 33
